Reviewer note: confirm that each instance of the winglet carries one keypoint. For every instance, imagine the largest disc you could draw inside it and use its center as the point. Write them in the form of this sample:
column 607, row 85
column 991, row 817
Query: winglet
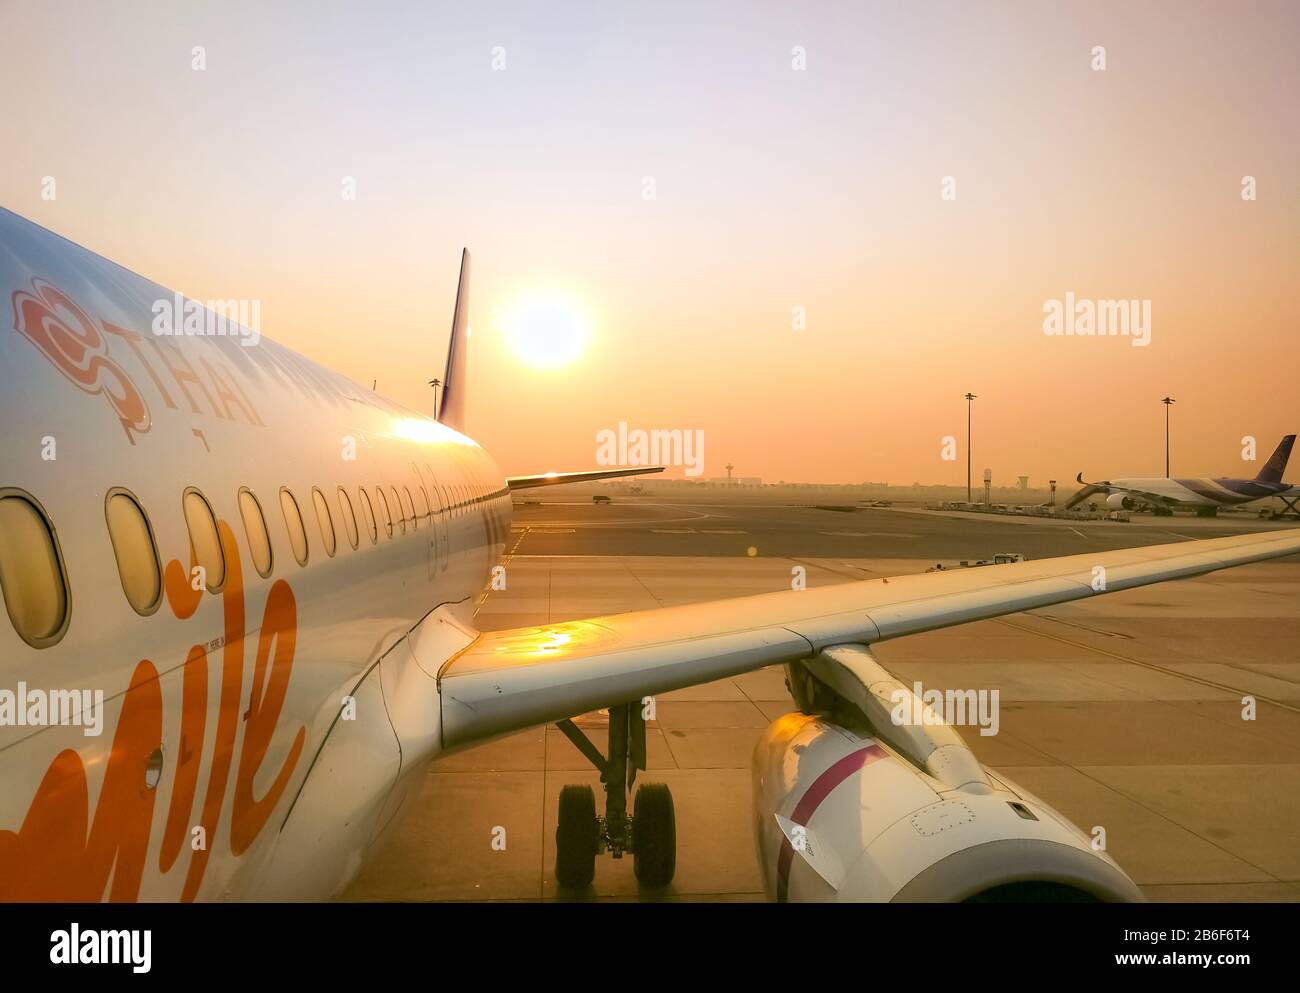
column 452, row 412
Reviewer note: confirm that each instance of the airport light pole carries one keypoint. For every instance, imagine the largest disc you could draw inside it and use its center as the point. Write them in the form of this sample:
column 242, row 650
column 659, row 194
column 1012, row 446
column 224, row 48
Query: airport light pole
column 1167, row 401
column 969, row 398
column 435, row 383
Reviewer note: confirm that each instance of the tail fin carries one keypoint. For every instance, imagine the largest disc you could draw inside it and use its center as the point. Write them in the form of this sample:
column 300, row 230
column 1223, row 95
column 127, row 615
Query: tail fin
column 452, row 412
column 1276, row 465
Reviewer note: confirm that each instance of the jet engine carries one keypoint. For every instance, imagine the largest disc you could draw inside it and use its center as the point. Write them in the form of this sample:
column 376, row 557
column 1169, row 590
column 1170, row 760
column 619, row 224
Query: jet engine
column 1119, row 501
column 868, row 795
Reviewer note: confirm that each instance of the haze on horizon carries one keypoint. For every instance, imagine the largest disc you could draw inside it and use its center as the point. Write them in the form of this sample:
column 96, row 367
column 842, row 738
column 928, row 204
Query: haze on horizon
column 528, row 132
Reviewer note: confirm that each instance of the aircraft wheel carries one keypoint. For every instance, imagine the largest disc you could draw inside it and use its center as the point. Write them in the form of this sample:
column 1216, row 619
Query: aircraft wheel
column 576, row 838
column 654, row 835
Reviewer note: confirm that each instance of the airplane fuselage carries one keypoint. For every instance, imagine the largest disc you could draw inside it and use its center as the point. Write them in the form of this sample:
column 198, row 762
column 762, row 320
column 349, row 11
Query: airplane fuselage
column 1220, row 491
column 220, row 690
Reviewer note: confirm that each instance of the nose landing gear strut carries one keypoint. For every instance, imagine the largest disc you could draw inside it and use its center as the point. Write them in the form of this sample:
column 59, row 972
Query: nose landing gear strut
column 650, row 834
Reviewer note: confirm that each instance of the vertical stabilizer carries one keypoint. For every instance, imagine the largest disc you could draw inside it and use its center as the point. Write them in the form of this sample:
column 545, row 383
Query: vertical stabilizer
column 452, row 412
column 1276, row 465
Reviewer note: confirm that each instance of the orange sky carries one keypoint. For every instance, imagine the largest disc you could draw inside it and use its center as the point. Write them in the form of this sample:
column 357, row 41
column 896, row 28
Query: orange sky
column 775, row 188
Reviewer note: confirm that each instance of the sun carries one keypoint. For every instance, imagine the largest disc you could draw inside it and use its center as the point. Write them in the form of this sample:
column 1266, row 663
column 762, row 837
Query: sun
column 548, row 330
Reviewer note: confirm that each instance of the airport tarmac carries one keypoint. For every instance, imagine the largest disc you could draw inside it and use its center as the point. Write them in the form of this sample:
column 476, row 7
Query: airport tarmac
column 1124, row 712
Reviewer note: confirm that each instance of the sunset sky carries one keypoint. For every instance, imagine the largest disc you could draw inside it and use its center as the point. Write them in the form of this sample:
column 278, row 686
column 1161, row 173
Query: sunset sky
column 774, row 188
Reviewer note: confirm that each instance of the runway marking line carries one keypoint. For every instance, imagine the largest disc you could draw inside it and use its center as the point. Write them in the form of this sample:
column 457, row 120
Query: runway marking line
column 505, row 559
column 1212, row 684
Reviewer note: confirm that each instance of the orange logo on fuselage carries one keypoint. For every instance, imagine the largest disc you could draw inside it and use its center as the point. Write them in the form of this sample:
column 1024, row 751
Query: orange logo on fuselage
column 66, row 335
column 77, row 345
column 61, row 854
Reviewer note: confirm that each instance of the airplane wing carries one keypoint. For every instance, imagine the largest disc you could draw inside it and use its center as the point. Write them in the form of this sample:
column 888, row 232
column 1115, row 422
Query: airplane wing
column 508, row 680
column 1089, row 489
column 556, row 478
column 1105, row 487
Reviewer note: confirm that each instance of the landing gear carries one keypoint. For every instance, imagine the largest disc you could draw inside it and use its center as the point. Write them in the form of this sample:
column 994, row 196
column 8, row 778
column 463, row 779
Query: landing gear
column 577, row 838
column 654, row 835
column 1207, row 511
column 650, row 834
column 1162, row 512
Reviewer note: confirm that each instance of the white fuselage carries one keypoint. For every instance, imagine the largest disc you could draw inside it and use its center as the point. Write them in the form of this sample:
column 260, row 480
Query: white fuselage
column 218, row 704
column 1199, row 492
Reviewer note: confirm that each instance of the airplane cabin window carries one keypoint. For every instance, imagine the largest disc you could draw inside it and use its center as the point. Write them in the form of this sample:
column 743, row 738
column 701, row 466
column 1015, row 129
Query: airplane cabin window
column 31, row 571
column 409, row 506
column 368, row 512
column 134, row 549
column 293, row 524
column 325, row 521
column 384, row 513
column 259, row 541
column 349, row 518
column 397, row 509
column 205, row 539
column 435, row 501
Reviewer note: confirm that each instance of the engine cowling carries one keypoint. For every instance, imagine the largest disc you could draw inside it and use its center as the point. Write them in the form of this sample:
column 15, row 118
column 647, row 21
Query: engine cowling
column 1120, row 501
column 851, row 807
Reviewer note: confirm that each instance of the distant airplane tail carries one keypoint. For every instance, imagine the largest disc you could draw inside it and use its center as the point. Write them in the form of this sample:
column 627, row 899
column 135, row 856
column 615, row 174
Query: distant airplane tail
column 452, row 411
column 1276, row 465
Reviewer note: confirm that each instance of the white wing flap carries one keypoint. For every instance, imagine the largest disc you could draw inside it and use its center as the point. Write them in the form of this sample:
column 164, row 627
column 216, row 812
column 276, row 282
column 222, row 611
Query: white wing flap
column 508, row 680
column 516, row 679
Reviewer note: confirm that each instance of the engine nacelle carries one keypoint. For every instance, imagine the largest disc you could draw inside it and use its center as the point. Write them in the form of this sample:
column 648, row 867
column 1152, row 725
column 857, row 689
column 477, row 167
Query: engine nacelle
column 851, row 807
column 1119, row 501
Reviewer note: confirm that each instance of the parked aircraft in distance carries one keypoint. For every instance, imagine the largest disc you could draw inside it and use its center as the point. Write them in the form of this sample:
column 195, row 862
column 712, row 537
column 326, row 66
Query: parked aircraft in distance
column 1206, row 496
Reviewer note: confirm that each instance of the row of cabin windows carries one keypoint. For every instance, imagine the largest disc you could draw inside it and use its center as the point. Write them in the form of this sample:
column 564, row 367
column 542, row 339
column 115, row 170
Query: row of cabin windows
column 33, row 579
